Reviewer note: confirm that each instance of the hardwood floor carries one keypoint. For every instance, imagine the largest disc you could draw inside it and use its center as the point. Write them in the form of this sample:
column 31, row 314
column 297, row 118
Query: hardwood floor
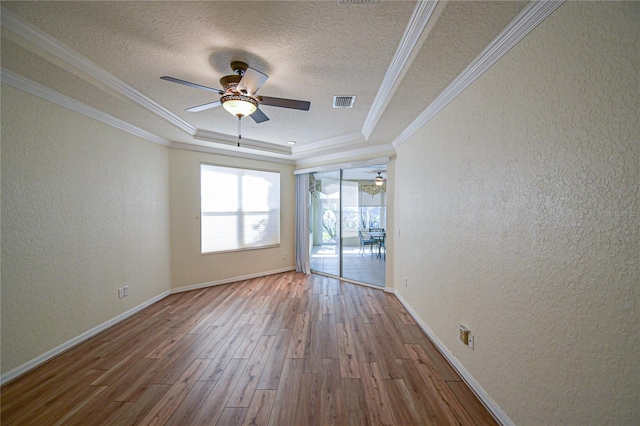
column 287, row 349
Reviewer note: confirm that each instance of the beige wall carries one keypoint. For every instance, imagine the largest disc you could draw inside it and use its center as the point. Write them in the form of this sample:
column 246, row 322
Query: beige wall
column 519, row 218
column 85, row 210
column 191, row 268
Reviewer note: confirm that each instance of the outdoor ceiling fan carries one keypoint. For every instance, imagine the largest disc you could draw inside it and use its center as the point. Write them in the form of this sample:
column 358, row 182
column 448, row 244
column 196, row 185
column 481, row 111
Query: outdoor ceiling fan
column 238, row 95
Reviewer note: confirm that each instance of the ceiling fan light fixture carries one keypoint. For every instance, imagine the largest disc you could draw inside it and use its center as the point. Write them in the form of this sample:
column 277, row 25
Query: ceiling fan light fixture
column 239, row 105
column 238, row 94
column 379, row 180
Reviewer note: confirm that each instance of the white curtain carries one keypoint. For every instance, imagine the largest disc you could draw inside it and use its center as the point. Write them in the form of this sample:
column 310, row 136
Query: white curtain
column 302, row 223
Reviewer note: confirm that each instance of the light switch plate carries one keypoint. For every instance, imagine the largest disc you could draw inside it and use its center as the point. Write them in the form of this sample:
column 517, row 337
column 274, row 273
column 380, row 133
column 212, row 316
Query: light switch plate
column 464, row 334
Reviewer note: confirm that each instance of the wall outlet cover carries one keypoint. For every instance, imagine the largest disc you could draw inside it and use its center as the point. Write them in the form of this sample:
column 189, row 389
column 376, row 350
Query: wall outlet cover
column 464, row 334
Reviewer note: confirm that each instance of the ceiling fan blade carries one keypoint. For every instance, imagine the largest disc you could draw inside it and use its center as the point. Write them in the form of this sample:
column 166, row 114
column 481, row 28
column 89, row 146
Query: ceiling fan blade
column 190, row 84
column 259, row 116
column 285, row 103
column 251, row 81
column 203, row 107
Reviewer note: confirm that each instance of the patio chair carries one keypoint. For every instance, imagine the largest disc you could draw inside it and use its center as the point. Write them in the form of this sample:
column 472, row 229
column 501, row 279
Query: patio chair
column 379, row 235
column 366, row 241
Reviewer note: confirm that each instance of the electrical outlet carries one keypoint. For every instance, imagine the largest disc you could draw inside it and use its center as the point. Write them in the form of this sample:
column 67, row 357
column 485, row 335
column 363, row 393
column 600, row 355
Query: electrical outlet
column 126, row 290
column 471, row 341
column 120, row 293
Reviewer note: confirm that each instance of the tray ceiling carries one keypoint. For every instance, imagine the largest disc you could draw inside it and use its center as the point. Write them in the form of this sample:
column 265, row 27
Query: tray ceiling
column 396, row 57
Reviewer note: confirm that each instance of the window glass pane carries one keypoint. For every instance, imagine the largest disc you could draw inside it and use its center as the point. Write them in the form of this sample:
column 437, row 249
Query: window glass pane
column 240, row 208
column 349, row 206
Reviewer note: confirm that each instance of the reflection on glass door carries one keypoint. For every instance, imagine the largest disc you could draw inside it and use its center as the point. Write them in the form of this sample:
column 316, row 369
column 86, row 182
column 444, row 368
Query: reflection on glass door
column 348, row 217
column 325, row 223
column 363, row 225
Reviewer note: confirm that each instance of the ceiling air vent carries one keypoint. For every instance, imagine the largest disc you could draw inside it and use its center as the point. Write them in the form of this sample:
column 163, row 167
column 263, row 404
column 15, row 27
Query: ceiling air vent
column 343, row 101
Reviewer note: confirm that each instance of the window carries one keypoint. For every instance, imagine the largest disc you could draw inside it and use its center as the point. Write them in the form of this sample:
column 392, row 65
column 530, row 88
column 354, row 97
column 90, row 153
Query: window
column 240, row 208
column 372, row 210
column 349, row 209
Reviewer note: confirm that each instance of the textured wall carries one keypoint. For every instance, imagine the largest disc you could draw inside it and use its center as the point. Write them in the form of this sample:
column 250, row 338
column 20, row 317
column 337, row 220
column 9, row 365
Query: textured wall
column 519, row 217
column 188, row 265
column 85, row 210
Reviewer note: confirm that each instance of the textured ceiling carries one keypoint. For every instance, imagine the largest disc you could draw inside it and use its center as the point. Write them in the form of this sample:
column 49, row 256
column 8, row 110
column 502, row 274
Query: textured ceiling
column 310, row 50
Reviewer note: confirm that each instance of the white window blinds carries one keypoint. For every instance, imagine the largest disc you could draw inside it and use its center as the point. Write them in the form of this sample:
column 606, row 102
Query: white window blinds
column 240, row 208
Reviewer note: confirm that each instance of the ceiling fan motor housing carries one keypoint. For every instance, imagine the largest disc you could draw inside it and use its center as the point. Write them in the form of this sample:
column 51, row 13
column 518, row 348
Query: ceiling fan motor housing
column 229, row 83
column 239, row 67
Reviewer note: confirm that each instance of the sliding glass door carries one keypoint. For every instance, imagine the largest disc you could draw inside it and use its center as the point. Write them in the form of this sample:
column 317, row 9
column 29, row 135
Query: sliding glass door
column 325, row 223
column 347, row 218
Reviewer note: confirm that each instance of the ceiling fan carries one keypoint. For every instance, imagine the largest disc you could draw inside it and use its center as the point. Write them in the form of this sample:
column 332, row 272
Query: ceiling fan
column 238, row 94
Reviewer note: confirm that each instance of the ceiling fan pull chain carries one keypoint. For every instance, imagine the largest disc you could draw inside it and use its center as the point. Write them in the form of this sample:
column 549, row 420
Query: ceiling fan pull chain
column 239, row 129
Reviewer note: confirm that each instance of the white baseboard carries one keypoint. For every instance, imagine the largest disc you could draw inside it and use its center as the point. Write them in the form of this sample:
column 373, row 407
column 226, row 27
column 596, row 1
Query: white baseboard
column 231, row 280
column 30, row 365
column 484, row 397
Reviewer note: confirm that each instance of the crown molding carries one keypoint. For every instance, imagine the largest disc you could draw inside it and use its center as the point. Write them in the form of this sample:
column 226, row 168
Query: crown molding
column 376, row 150
column 59, row 50
column 14, row 80
column 218, row 143
column 401, row 61
column 210, row 136
column 91, row 73
column 348, row 165
column 349, row 139
column 50, row 45
column 241, row 153
column 532, row 15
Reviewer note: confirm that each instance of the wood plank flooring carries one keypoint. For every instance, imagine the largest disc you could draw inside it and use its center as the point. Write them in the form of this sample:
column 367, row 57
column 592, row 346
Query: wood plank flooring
column 287, row 349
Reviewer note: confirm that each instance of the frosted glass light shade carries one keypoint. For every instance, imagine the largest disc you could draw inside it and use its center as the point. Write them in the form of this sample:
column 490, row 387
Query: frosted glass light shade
column 239, row 105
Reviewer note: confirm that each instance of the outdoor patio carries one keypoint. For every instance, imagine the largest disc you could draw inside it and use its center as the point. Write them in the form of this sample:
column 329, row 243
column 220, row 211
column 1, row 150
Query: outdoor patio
column 366, row 268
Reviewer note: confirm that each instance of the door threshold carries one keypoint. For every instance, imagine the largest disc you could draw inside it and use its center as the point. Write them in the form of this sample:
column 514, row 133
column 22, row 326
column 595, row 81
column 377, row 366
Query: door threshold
column 348, row 280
